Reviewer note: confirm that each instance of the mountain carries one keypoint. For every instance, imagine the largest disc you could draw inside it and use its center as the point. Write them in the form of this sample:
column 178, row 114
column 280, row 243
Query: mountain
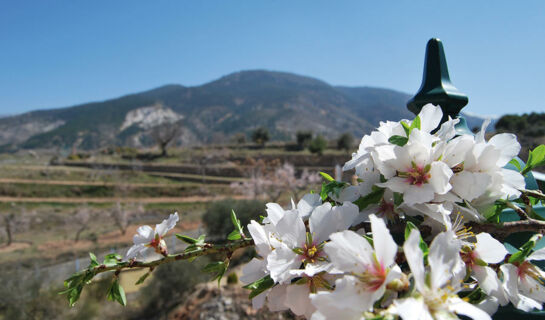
column 240, row 102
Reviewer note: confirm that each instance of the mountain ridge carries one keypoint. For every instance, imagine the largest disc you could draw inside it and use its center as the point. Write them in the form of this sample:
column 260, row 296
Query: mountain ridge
column 212, row 112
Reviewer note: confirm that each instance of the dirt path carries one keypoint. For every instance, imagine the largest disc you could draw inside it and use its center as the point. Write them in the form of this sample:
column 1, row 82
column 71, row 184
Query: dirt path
column 86, row 183
column 122, row 200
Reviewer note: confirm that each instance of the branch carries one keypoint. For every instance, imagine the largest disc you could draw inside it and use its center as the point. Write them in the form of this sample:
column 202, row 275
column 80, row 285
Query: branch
column 206, row 249
column 501, row 231
column 533, row 193
column 522, row 214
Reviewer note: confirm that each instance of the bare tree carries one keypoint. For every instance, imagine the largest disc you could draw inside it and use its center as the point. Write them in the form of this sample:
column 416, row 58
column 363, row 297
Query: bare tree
column 81, row 219
column 16, row 221
column 123, row 214
column 9, row 221
column 270, row 180
column 164, row 134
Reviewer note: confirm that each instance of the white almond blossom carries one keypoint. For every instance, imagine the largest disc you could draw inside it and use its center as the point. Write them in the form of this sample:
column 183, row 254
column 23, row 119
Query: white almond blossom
column 524, row 282
column 367, row 272
column 486, row 250
column 148, row 243
column 482, row 178
column 413, row 169
column 294, row 246
column 435, row 296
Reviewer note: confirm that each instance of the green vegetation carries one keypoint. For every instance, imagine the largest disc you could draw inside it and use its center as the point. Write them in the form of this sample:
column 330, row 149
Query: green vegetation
column 318, row 145
column 260, row 136
column 303, row 139
column 217, row 217
column 345, row 142
column 532, row 124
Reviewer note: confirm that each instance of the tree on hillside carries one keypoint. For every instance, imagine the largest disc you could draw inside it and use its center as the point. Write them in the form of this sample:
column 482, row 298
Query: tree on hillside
column 303, row 139
column 260, row 136
column 345, row 142
column 123, row 214
column 81, row 218
column 9, row 225
column 164, row 134
column 318, row 145
column 270, row 180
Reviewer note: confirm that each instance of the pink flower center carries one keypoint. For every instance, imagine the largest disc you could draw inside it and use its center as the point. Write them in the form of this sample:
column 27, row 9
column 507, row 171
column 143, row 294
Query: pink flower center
column 374, row 277
column 417, row 175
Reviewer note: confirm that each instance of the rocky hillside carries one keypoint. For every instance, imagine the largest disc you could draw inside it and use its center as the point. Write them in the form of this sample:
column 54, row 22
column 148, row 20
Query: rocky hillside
column 240, row 102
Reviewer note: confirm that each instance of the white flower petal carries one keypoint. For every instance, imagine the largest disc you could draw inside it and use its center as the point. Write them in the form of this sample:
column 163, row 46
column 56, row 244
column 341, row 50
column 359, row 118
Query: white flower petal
column 440, row 176
column 489, row 249
column 459, row 306
column 274, row 213
column 297, row 299
column 276, row 299
column 411, row 309
column 167, row 224
column 430, row 117
column 349, row 252
column 291, row 229
column 280, row 262
column 260, row 235
column 537, row 255
column 144, row 235
column 385, row 246
column 306, row 205
column 443, row 258
column 415, row 259
column 508, row 145
column 253, row 271
column 490, row 283
column 470, row 185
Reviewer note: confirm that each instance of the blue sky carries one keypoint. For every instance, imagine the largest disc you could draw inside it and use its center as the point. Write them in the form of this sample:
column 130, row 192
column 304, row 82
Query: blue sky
column 61, row 53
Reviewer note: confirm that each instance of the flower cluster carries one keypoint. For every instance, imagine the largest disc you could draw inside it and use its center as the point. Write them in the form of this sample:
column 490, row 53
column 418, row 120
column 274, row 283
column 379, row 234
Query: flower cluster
column 333, row 256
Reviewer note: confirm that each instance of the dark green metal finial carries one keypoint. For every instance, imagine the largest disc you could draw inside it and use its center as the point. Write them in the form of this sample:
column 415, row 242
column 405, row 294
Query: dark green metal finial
column 436, row 87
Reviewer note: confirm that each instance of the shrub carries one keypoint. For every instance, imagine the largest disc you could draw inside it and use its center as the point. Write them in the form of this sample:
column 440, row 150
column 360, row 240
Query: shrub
column 303, row 139
column 318, row 145
column 261, row 136
column 217, row 217
column 345, row 142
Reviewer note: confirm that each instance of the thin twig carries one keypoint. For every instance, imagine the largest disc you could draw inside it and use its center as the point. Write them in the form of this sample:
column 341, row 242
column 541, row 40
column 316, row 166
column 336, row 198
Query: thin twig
column 206, row 249
column 501, row 231
column 522, row 214
column 533, row 193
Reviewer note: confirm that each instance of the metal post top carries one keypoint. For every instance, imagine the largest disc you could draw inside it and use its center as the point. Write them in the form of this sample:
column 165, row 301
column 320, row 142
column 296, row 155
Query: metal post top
column 436, row 86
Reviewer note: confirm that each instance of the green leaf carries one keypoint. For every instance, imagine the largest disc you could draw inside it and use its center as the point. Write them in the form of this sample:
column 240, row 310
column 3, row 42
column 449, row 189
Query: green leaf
column 334, row 187
column 406, row 127
column 218, row 268
column 143, row 278
column 198, row 243
column 259, row 286
column 94, row 261
column 423, row 246
column 112, row 259
column 398, row 140
column 525, row 250
column 415, row 124
column 186, row 239
column 116, row 293
column 234, row 235
column 536, row 158
column 516, row 164
column 238, row 228
column 327, row 176
column 372, row 198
